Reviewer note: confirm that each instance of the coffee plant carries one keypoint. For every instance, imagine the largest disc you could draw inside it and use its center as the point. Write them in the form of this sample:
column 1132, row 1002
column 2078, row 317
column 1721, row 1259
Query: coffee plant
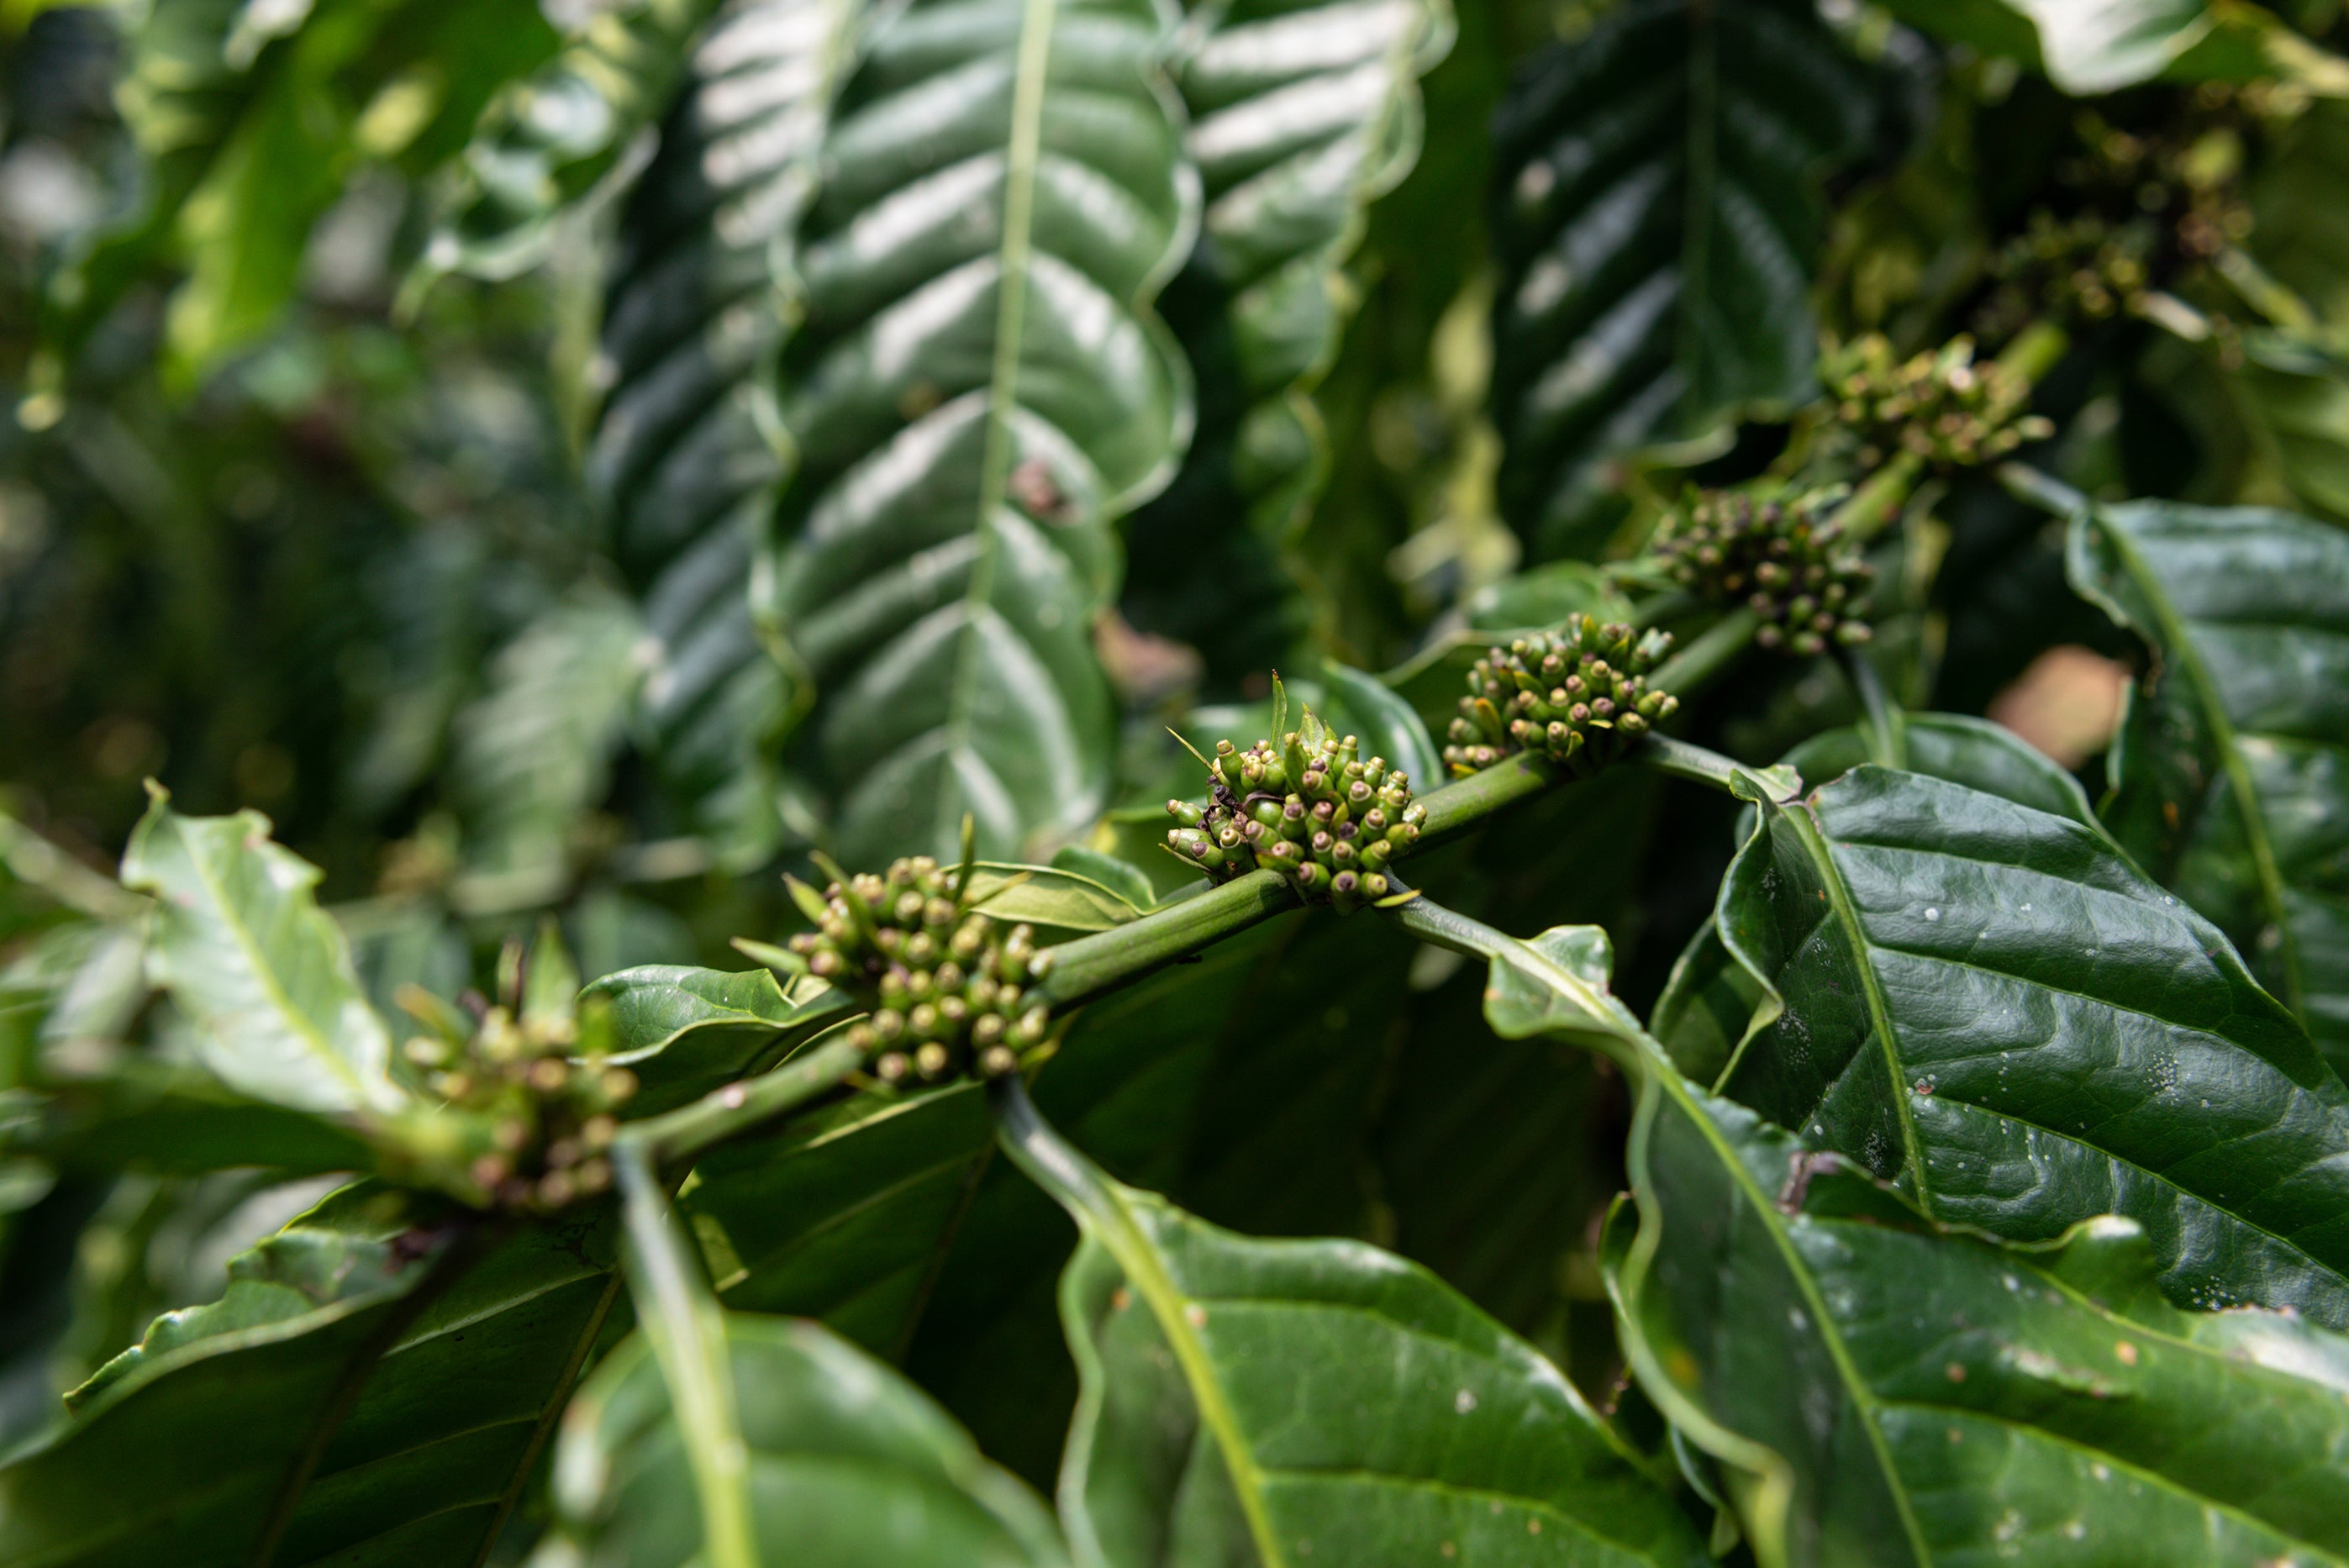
column 1113, row 783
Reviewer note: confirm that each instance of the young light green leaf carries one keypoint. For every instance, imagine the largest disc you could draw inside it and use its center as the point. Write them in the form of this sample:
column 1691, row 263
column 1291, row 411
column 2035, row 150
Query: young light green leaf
column 2228, row 776
column 1051, row 897
column 850, row 1464
column 1991, row 1006
column 1660, row 215
column 684, row 460
column 239, row 942
column 684, row 1031
column 1274, row 1403
column 977, row 391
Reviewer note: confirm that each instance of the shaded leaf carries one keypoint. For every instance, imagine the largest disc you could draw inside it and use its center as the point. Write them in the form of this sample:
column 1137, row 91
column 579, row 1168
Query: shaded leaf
column 1659, row 217
column 1249, row 1401
column 845, row 1213
column 1302, row 113
column 849, row 1464
column 326, row 1404
column 534, row 752
column 547, row 140
column 240, row 944
column 2229, row 774
column 684, row 457
column 976, row 392
column 1988, row 1005
column 2090, row 46
column 1957, row 746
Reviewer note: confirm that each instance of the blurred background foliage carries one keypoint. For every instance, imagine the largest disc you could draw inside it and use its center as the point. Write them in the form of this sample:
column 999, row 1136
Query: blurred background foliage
column 390, row 422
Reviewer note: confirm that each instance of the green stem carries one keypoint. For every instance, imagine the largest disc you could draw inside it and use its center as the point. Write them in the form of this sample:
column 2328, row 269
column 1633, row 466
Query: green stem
column 676, row 1138
column 2048, row 494
column 1698, row 764
column 686, row 1328
column 1707, row 655
column 1092, row 965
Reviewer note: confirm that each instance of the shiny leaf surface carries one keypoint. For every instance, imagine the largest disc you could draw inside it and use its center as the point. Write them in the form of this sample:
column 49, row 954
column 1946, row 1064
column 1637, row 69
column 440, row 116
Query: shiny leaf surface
column 1274, row 1402
column 1905, row 1395
column 976, row 392
column 1659, row 217
column 684, row 457
column 1987, row 1005
column 2231, row 773
column 1302, row 113
column 547, row 140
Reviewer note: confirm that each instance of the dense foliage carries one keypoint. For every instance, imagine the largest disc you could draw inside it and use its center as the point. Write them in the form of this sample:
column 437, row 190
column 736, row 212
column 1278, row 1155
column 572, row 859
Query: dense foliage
column 909, row 661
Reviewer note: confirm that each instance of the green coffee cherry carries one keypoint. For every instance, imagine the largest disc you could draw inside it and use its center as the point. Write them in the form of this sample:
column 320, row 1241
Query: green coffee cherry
column 1779, row 557
column 1940, row 406
column 1309, row 807
column 942, row 982
column 550, row 1114
column 1579, row 694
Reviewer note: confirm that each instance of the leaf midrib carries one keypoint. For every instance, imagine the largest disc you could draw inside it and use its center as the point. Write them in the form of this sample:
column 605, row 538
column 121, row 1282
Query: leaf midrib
column 1766, row 1209
column 1022, row 154
column 1879, row 1012
column 246, row 943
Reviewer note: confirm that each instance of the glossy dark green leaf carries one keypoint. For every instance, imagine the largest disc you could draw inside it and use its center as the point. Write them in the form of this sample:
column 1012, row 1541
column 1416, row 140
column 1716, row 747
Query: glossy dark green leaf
column 1901, row 1395
column 547, row 140
column 684, row 459
column 1889, row 1392
column 1275, row 1402
column 2296, row 395
column 2229, row 775
column 845, row 1213
column 240, row 944
column 1660, row 214
column 1987, row 1005
column 976, row 392
column 849, row 1465
column 684, row 1032
column 1302, row 113
column 325, row 1404
column 1957, row 746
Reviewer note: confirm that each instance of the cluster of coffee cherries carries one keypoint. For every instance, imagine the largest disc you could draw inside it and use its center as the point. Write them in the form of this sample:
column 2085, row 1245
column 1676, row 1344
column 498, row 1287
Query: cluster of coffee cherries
column 1939, row 406
column 551, row 1116
column 946, row 986
column 2085, row 268
column 1781, row 556
column 1309, row 807
column 1579, row 694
